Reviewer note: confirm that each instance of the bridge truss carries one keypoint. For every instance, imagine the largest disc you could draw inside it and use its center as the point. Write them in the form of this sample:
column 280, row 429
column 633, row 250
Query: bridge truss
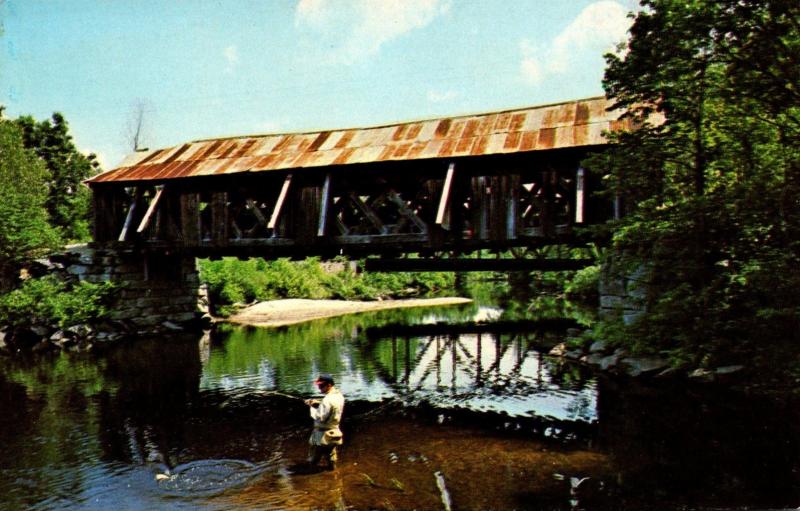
column 392, row 208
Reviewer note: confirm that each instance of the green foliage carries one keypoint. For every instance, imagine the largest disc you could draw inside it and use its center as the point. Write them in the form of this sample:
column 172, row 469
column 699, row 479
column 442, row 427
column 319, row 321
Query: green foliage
column 712, row 192
column 24, row 229
column 49, row 300
column 68, row 200
column 584, row 283
column 231, row 281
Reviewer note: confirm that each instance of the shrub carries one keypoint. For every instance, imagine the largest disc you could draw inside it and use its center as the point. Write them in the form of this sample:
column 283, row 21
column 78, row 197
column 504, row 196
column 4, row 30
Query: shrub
column 48, row 300
column 231, row 281
column 584, row 282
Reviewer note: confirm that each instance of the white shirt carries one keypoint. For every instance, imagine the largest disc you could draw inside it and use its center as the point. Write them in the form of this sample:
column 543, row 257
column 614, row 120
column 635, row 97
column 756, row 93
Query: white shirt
column 328, row 414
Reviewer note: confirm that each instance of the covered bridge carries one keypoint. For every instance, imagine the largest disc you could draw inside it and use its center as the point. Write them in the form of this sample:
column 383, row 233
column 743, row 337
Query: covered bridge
column 493, row 180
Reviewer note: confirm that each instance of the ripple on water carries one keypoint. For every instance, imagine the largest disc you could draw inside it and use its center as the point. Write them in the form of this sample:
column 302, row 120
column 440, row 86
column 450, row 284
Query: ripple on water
column 206, row 478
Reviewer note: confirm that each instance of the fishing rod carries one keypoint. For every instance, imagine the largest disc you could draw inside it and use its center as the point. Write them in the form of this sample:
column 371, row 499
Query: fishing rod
column 284, row 394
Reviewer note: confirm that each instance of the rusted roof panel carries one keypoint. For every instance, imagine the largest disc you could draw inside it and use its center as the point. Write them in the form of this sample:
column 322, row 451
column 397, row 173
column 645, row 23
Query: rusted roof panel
column 571, row 124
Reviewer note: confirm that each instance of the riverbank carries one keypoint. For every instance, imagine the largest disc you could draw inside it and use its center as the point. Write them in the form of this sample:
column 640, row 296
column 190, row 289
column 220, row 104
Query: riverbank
column 291, row 311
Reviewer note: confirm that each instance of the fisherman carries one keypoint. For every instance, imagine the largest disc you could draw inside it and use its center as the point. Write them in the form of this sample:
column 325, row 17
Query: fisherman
column 327, row 415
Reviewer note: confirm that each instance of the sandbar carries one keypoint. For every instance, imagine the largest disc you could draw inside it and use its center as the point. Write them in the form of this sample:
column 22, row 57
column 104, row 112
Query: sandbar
column 290, row 311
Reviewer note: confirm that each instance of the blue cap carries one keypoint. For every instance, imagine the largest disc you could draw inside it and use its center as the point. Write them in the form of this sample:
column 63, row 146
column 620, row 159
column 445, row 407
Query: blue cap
column 324, row 378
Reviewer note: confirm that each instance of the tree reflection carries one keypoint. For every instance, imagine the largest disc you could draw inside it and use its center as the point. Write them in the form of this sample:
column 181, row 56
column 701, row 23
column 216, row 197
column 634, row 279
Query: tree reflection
column 485, row 369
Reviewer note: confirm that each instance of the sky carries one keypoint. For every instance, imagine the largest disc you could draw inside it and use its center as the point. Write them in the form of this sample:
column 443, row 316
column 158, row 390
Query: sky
column 198, row 69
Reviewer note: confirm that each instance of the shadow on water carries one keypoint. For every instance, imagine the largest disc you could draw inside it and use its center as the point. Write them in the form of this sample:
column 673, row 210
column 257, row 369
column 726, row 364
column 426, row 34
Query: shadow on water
column 479, row 419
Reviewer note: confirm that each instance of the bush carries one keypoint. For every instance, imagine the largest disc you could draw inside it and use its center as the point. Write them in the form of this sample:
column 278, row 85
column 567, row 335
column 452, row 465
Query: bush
column 48, row 300
column 584, row 283
column 231, row 282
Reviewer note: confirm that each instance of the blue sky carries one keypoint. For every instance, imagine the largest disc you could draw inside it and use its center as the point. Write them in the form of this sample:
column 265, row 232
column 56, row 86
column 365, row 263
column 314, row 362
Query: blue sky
column 212, row 68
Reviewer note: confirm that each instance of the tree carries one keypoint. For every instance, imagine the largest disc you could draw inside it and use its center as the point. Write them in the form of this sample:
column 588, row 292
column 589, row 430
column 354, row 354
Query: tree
column 25, row 231
column 68, row 200
column 713, row 190
column 137, row 125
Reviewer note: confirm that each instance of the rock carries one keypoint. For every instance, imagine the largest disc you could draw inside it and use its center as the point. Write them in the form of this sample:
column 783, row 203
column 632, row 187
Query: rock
column 61, row 339
column 58, row 335
column 80, row 330
column 593, row 359
column 573, row 332
column 609, row 362
column 40, row 331
column 573, row 354
column 559, row 350
column 169, row 325
column 725, row 370
column 669, row 372
column 638, row 366
column 598, row 346
column 702, row 375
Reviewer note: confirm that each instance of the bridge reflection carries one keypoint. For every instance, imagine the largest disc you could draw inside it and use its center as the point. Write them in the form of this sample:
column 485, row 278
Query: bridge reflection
column 484, row 371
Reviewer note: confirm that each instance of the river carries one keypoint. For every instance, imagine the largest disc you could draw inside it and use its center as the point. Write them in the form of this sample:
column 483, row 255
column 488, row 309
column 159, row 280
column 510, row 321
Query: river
column 437, row 417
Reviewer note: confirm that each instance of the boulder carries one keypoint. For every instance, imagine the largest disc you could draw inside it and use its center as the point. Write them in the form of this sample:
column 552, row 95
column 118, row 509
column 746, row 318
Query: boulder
column 40, row 330
column 702, row 375
column 593, row 359
column 80, row 330
column 639, row 366
column 559, row 350
column 609, row 362
column 598, row 346
column 726, row 370
column 169, row 325
column 573, row 354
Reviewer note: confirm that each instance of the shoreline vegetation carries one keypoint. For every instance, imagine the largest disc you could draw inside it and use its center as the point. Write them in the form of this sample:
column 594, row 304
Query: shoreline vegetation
column 298, row 310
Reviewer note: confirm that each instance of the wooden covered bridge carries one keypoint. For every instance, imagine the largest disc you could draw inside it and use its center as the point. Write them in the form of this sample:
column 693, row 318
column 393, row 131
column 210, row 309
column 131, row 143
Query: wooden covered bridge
column 495, row 180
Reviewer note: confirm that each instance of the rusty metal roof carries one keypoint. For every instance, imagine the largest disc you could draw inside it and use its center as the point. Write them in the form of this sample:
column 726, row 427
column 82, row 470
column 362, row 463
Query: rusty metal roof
column 571, row 124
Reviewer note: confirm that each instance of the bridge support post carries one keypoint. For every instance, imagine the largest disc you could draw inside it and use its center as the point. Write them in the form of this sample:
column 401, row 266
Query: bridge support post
column 157, row 293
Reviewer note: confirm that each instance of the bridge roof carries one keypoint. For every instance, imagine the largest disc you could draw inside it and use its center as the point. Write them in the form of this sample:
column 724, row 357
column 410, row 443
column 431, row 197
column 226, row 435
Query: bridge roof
column 578, row 123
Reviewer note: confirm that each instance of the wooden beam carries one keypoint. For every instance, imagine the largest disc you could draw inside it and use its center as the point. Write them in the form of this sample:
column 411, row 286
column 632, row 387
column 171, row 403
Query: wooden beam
column 150, row 210
column 219, row 218
column 580, row 185
column 448, row 182
column 190, row 218
column 395, row 199
column 511, row 191
column 129, row 218
column 380, row 239
column 412, row 265
column 236, row 231
column 253, row 207
column 323, row 207
column 367, row 212
column 273, row 220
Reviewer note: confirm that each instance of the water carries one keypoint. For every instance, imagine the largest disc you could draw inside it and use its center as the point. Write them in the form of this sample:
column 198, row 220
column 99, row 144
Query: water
column 441, row 418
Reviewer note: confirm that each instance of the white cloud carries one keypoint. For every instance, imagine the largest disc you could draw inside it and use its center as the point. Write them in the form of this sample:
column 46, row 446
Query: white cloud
column 435, row 96
column 596, row 30
column 356, row 29
column 231, row 54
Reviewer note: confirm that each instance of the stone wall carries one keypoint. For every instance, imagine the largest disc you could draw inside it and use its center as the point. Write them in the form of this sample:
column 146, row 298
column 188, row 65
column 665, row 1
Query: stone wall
column 623, row 292
column 156, row 292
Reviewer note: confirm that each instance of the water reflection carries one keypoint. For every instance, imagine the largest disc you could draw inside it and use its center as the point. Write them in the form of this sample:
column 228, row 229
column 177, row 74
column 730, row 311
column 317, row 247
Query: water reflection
column 218, row 418
column 501, row 371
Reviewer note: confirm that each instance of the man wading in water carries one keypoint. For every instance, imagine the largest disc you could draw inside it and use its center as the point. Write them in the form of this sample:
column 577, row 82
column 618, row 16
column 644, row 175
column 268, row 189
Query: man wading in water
column 327, row 415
